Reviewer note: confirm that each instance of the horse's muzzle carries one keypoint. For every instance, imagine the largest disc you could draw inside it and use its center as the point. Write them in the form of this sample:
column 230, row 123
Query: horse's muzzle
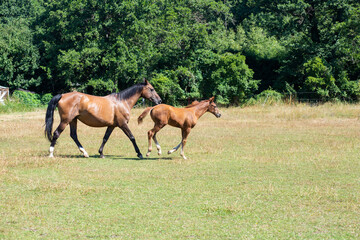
column 218, row 115
column 157, row 101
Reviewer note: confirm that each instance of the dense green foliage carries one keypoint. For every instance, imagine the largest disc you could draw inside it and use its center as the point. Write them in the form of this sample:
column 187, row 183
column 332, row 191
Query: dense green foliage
column 23, row 101
column 189, row 49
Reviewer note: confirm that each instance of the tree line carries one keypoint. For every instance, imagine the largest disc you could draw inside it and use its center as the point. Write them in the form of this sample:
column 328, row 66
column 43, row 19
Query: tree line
column 188, row 49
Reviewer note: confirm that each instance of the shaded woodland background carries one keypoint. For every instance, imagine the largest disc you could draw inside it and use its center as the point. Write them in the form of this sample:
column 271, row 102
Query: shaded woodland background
column 188, row 49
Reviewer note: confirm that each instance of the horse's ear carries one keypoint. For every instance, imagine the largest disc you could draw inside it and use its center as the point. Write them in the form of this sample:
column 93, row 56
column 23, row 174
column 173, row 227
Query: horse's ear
column 146, row 81
column 211, row 99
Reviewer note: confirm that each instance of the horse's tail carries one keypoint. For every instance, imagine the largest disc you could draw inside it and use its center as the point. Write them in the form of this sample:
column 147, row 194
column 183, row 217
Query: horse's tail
column 143, row 115
column 49, row 119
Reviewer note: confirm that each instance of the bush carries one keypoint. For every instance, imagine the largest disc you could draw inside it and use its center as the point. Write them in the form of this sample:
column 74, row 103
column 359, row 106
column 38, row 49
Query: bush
column 99, row 87
column 14, row 105
column 45, row 99
column 27, row 98
column 229, row 78
column 23, row 101
column 320, row 80
column 268, row 97
column 168, row 90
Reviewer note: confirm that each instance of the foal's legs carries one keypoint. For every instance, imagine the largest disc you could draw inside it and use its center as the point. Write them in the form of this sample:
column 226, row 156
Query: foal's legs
column 108, row 132
column 185, row 134
column 128, row 133
column 175, row 148
column 152, row 134
column 157, row 144
column 73, row 134
column 56, row 135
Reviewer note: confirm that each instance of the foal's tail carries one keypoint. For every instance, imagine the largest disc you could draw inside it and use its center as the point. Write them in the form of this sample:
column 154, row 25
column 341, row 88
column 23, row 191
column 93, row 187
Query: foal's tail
column 49, row 119
column 143, row 115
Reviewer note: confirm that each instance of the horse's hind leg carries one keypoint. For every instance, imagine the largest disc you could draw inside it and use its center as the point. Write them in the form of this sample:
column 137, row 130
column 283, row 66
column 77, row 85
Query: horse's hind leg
column 108, row 132
column 73, row 134
column 175, row 148
column 56, row 135
column 152, row 134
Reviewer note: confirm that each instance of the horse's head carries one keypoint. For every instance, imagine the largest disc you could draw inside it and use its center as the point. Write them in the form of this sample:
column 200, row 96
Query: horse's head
column 149, row 92
column 213, row 108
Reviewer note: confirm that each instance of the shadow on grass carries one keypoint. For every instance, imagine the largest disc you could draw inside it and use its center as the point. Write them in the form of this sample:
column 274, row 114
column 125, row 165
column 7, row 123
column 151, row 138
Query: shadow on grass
column 115, row 157
column 138, row 159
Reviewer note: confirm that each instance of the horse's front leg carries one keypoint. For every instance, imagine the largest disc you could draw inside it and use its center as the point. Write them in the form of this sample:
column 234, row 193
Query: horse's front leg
column 108, row 132
column 158, row 147
column 185, row 134
column 128, row 133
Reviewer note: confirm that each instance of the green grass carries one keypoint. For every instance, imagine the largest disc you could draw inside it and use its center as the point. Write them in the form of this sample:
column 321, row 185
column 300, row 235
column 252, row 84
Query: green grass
column 280, row 172
column 15, row 105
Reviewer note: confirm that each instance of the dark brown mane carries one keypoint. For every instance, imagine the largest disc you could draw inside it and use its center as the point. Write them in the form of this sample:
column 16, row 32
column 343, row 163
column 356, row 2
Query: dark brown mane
column 129, row 92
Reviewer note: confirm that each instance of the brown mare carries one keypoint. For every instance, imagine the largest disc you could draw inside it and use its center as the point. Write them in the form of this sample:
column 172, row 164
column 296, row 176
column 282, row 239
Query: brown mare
column 110, row 111
column 184, row 118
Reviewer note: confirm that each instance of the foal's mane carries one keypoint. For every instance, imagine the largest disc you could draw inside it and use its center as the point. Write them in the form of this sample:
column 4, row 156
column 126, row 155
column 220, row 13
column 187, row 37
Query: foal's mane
column 192, row 104
column 129, row 92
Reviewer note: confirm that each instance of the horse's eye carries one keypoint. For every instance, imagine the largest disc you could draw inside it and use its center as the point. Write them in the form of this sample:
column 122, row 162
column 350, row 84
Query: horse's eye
column 152, row 89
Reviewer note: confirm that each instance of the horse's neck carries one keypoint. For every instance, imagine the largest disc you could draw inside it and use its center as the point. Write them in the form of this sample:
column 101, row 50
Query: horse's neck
column 201, row 109
column 132, row 100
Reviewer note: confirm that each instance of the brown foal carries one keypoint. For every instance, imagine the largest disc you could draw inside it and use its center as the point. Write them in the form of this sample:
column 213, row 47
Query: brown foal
column 184, row 118
column 109, row 111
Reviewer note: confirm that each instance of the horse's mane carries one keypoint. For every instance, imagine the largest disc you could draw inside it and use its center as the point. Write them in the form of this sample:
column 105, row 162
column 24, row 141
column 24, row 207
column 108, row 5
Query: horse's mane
column 129, row 92
column 192, row 104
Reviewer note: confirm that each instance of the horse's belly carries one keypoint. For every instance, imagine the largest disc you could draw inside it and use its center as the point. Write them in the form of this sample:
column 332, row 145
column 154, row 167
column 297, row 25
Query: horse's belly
column 94, row 121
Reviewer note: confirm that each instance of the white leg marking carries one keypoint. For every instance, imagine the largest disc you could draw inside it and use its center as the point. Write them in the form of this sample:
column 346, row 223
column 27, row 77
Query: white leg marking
column 182, row 152
column 84, row 152
column 157, row 145
column 158, row 148
column 174, row 149
column 51, row 150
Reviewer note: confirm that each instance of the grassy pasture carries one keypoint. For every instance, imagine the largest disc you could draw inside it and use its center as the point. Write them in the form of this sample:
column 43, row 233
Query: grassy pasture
column 280, row 172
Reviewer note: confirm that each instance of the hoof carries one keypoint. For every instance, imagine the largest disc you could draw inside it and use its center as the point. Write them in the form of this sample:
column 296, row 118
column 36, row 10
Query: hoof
column 140, row 156
column 84, row 152
column 159, row 153
column 102, row 156
column 51, row 156
column 147, row 154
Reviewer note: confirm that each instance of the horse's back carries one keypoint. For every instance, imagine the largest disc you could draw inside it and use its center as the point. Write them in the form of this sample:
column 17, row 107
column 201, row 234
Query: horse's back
column 166, row 114
column 92, row 110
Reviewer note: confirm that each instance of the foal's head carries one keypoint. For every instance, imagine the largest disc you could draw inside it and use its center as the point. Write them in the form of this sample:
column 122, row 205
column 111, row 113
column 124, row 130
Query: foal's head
column 149, row 92
column 213, row 108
